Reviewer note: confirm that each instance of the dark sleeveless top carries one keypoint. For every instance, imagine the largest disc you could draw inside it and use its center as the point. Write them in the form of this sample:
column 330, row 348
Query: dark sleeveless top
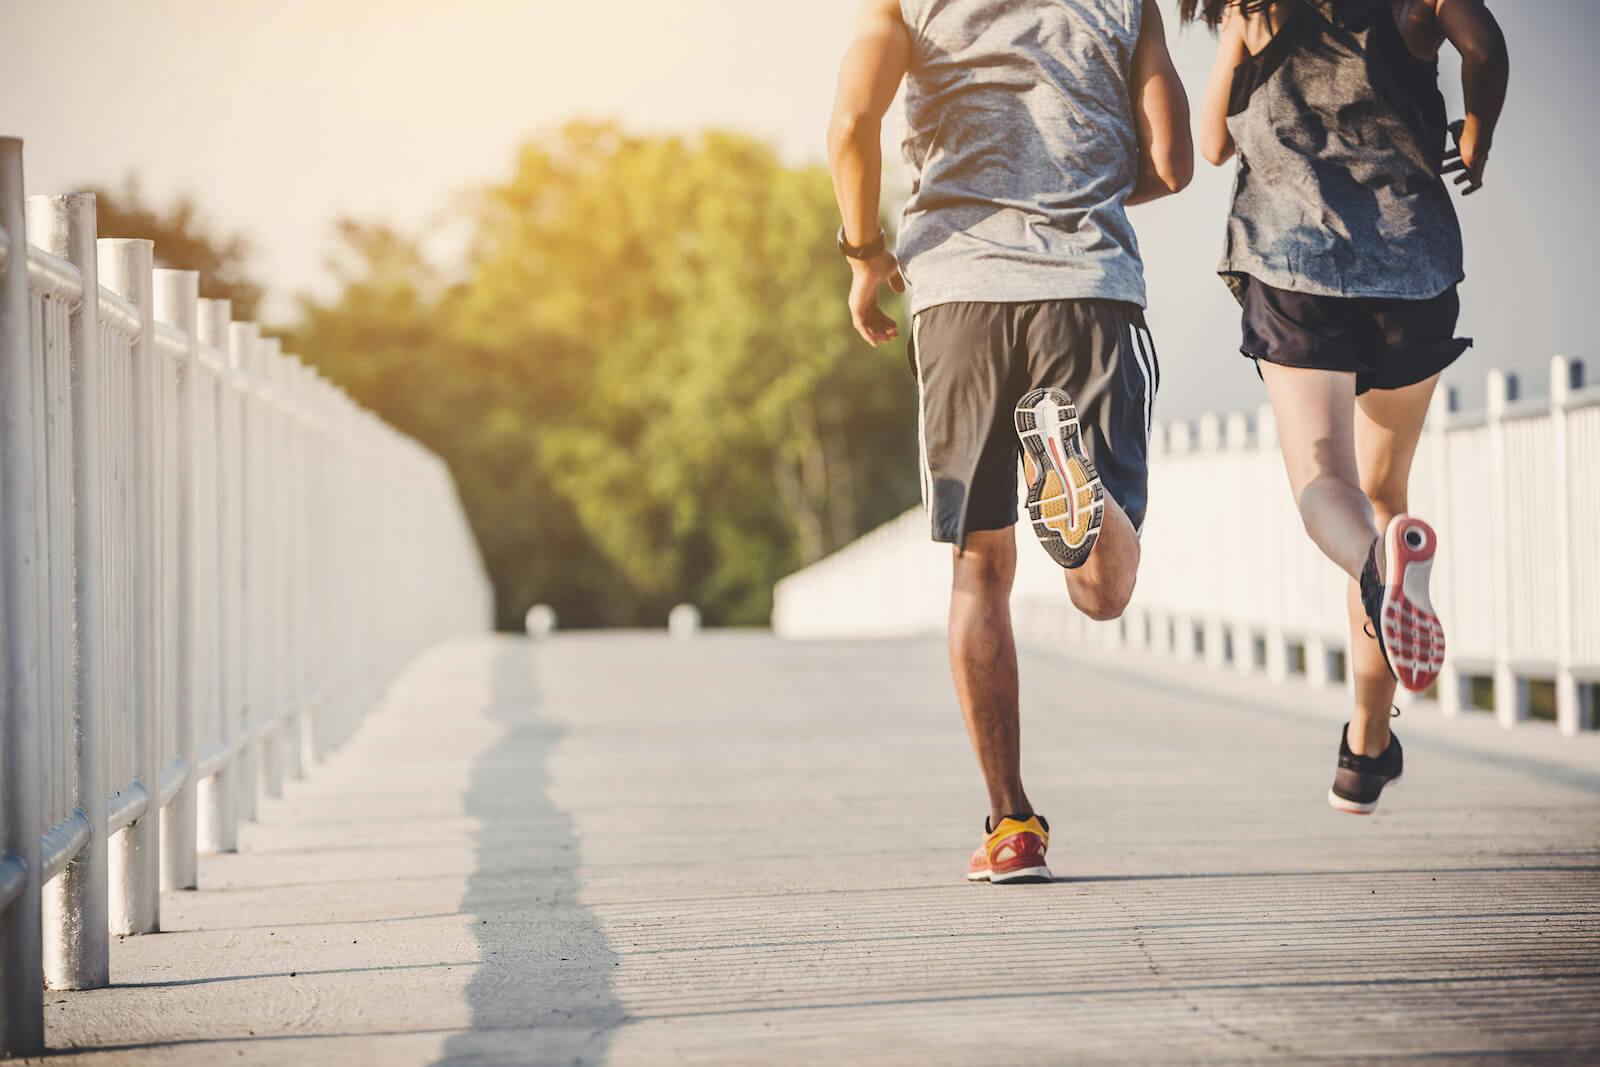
column 1341, row 132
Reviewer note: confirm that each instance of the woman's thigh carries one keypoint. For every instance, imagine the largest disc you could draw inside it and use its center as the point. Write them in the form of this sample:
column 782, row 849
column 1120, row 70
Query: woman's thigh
column 1314, row 410
column 1388, row 425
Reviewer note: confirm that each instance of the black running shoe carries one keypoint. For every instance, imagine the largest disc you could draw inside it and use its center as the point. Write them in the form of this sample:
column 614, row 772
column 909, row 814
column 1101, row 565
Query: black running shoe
column 1359, row 781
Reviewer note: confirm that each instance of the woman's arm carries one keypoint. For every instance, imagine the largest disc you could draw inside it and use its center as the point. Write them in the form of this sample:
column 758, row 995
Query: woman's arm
column 1216, row 144
column 1485, row 71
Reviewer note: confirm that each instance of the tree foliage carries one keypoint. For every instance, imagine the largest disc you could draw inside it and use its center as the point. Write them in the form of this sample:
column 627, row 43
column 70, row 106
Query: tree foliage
column 643, row 374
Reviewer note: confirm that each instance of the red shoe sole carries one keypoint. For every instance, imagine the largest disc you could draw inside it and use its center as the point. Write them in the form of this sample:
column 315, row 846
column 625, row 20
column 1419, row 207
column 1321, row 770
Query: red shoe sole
column 1412, row 634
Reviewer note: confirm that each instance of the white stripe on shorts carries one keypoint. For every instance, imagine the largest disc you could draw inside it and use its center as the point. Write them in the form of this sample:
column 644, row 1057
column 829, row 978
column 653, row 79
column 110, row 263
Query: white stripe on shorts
column 1142, row 348
column 922, row 416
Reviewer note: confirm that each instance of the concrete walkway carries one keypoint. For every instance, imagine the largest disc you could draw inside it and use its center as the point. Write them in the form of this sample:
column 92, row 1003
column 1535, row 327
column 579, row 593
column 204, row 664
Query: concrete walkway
column 621, row 849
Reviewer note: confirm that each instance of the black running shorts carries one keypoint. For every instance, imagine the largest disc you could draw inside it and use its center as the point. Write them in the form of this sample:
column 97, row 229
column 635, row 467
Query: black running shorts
column 975, row 361
column 1387, row 344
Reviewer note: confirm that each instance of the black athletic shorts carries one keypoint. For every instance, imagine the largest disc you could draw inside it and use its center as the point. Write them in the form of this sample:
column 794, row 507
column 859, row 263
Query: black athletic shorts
column 974, row 362
column 1387, row 344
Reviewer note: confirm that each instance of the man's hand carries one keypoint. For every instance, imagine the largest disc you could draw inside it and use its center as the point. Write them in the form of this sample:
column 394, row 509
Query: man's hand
column 871, row 323
column 1468, row 157
column 868, row 79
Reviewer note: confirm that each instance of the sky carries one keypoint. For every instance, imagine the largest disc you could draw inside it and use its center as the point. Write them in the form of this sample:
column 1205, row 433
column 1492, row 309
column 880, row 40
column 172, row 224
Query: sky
column 281, row 116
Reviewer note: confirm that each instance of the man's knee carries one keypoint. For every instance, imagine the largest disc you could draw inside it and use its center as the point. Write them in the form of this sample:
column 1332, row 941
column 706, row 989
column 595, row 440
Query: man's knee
column 988, row 562
column 1103, row 596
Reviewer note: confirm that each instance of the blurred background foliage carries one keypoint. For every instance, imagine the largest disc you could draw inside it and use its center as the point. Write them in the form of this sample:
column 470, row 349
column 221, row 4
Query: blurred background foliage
column 642, row 373
column 184, row 239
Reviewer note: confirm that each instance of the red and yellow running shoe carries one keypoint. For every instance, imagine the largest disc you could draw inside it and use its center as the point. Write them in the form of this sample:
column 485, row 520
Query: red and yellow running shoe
column 1013, row 852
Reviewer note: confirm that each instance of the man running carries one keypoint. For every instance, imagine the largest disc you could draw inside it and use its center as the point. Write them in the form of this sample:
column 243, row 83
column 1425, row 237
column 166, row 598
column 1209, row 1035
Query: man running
column 1032, row 124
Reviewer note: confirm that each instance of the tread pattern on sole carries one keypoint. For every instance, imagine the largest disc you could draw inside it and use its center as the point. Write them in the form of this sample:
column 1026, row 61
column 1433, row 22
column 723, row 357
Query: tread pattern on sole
column 1413, row 637
column 1066, row 500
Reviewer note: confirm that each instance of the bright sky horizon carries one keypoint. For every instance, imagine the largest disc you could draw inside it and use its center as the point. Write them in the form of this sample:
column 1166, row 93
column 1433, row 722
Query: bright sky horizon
column 281, row 118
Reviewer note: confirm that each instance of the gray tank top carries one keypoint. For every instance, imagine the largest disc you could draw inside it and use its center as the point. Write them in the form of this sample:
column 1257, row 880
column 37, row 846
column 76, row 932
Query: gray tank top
column 1021, row 144
column 1341, row 132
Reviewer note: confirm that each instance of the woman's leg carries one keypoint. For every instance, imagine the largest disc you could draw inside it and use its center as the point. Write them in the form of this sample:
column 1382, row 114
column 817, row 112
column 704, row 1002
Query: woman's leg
column 1388, row 425
column 1315, row 411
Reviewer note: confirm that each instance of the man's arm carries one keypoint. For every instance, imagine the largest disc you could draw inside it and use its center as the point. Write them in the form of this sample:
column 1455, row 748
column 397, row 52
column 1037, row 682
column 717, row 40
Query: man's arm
column 1161, row 114
column 1485, row 71
column 868, row 80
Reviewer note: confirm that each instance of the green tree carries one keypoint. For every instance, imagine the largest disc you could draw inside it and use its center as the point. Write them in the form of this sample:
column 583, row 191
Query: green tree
column 643, row 375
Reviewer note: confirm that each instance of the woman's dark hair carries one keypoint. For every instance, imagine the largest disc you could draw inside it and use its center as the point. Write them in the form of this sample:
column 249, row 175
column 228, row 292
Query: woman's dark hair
column 1211, row 11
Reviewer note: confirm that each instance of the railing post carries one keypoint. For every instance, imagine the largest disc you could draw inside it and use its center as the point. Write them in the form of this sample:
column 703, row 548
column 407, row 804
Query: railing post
column 177, row 295
column 77, row 952
column 216, row 821
column 306, row 546
column 1436, row 427
column 1275, row 636
column 1241, row 460
column 1511, row 703
column 239, row 544
column 1570, row 711
column 265, row 460
column 1180, row 443
column 1213, row 624
column 290, row 502
column 21, row 991
column 135, row 875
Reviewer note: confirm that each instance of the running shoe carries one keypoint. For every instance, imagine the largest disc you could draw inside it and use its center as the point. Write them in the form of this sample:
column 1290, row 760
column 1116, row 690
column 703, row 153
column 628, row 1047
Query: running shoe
column 1397, row 604
column 1359, row 780
column 1012, row 852
column 1066, row 501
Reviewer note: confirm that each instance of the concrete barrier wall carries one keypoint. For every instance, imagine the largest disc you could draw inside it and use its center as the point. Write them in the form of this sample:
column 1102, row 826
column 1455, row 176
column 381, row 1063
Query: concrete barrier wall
column 1230, row 578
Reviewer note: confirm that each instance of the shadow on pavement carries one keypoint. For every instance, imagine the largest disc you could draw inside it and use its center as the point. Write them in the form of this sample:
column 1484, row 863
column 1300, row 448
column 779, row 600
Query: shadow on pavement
column 543, row 993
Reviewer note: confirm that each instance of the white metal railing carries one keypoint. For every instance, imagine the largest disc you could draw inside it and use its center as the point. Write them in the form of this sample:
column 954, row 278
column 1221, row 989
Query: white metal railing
column 1230, row 578
column 211, row 562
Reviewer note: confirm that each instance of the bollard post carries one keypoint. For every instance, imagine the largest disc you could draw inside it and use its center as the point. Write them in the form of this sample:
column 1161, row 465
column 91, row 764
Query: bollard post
column 176, row 302
column 21, row 992
column 77, row 951
column 135, row 871
column 683, row 622
column 239, row 544
column 216, row 822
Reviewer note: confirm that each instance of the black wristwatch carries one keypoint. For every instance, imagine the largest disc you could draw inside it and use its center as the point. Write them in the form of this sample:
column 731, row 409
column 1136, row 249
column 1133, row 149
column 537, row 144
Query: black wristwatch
column 871, row 250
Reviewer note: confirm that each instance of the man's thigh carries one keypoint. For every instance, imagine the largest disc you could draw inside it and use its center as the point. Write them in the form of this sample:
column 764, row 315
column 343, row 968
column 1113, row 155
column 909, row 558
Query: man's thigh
column 970, row 375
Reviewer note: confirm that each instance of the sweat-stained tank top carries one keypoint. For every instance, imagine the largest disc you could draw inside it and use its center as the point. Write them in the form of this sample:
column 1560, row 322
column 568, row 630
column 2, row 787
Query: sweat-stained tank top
column 1341, row 133
column 1021, row 144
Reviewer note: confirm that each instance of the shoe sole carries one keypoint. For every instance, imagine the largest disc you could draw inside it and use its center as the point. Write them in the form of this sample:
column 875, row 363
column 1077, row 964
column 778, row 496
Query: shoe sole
column 1024, row 876
column 1066, row 502
column 1356, row 807
column 1413, row 638
column 977, row 876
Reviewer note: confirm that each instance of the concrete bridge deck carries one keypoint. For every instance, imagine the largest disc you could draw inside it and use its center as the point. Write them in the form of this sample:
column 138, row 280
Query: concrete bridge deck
column 622, row 849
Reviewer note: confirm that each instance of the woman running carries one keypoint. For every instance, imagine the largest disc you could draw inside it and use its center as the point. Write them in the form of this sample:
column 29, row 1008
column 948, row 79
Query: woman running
column 1344, row 250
